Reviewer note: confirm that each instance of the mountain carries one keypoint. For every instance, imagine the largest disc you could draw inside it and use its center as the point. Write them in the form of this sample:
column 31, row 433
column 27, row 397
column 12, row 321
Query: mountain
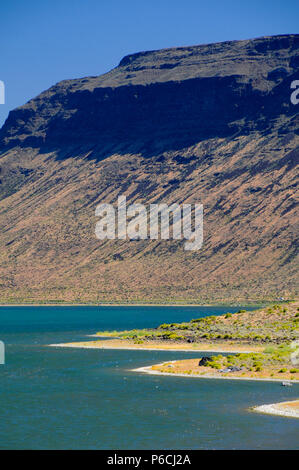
column 210, row 124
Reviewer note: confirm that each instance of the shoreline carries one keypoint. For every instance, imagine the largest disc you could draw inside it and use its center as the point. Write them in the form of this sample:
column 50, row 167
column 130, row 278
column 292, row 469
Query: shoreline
column 149, row 370
column 183, row 347
column 284, row 408
column 127, row 348
column 248, row 303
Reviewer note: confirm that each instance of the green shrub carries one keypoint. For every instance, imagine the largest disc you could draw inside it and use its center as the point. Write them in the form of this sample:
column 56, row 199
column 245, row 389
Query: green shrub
column 215, row 366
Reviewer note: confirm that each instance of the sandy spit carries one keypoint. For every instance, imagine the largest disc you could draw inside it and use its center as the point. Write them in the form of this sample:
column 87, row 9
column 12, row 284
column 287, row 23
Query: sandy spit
column 149, row 370
column 140, row 348
column 285, row 408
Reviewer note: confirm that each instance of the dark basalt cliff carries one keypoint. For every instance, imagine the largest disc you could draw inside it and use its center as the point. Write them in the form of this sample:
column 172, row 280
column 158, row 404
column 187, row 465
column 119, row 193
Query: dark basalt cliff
column 179, row 96
column 212, row 123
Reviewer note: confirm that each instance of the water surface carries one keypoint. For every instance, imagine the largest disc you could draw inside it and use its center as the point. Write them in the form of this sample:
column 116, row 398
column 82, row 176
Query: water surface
column 52, row 398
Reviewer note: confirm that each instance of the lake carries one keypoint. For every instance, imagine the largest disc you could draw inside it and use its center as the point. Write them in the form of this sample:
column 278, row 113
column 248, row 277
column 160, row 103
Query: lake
column 55, row 398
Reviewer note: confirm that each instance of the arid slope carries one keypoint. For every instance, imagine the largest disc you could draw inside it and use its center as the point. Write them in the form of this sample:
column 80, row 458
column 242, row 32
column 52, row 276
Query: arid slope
column 211, row 124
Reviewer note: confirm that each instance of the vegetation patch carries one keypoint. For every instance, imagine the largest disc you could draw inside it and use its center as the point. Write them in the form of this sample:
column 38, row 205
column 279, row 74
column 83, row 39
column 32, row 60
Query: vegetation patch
column 274, row 363
column 273, row 325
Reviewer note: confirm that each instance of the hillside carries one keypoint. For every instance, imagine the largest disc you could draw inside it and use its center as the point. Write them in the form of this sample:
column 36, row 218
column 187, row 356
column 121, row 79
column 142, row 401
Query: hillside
column 210, row 123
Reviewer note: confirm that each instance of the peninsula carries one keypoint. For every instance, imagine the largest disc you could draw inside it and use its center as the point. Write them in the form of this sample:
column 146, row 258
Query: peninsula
column 263, row 344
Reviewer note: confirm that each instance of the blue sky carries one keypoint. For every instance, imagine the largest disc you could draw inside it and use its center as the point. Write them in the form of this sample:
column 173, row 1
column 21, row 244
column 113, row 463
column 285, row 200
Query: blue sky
column 45, row 41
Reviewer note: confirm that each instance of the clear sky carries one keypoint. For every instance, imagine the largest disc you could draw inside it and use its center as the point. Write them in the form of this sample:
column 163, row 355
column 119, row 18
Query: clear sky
column 45, row 41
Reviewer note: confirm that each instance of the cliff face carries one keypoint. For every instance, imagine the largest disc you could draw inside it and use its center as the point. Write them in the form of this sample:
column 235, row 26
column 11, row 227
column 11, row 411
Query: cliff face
column 211, row 124
column 178, row 95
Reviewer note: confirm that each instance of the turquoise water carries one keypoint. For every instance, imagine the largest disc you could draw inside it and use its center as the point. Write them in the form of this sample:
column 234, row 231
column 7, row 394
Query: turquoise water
column 52, row 398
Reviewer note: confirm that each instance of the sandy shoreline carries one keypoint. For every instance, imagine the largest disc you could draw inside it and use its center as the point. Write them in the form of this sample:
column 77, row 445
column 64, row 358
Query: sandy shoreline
column 289, row 409
column 127, row 348
column 149, row 370
column 184, row 347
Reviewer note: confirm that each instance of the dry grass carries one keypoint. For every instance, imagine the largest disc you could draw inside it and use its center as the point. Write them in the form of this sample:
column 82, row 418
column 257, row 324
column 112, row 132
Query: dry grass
column 291, row 405
column 191, row 367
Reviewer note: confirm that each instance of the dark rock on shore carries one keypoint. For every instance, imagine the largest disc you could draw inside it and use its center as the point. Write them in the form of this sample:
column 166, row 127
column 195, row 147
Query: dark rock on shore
column 204, row 361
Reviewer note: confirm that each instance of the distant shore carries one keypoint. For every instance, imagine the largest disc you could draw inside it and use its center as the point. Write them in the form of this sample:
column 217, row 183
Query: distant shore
column 215, row 304
column 119, row 305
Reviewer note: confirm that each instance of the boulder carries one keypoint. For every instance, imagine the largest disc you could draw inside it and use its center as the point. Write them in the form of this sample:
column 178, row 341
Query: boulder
column 204, row 360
